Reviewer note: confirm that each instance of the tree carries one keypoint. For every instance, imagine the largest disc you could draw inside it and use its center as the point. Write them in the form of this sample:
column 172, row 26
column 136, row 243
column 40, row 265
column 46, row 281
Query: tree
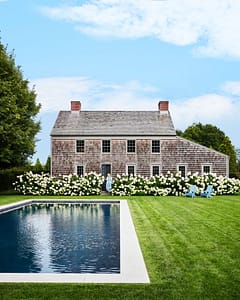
column 238, row 161
column 38, row 168
column 212, row 137
column 47, row 167
column 18, row 110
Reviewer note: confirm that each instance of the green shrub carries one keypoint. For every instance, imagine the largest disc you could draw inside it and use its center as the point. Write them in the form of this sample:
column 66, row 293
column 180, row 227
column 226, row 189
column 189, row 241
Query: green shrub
column 9, row 176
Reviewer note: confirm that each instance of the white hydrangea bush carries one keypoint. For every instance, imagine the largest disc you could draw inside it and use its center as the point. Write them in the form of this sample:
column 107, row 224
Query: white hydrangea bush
column 71, row 185
column 173, row 184
column 124, row 185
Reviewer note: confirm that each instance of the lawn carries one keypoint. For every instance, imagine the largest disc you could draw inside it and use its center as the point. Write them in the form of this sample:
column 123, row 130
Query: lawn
column 191, row 248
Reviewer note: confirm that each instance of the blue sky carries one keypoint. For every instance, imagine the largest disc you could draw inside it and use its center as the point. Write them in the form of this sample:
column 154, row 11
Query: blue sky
column 129, row 54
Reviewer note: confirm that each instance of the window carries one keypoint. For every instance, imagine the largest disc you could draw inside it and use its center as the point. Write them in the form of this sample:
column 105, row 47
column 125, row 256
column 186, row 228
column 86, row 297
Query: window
column 131, row 170
column 80, row 145
column 182, row 170
column 106, row 146
column 206, row 169
column 131, row 146
column 155, row 170
column 155, row 146
column 80, row 171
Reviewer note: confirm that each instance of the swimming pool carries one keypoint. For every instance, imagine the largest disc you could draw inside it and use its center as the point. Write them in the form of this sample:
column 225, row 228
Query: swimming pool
column 132, row 267
column 61, row 238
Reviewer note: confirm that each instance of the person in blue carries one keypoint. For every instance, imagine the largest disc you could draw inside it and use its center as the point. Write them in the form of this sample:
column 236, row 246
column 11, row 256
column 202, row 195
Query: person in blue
column 109, row 183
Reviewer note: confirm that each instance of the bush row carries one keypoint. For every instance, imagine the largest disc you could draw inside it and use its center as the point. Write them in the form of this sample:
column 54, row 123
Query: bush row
column 91, row 184
column 71, row 185
column 173, row 184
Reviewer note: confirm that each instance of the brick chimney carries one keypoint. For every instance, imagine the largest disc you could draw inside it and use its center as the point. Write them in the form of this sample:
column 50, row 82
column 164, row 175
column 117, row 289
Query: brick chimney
column 163, row 106
column 75, row 106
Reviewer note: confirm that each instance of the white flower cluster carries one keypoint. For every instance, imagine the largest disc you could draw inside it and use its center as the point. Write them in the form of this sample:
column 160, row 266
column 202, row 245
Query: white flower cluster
column 71, row 185
column 173, row 184
column 123, row 185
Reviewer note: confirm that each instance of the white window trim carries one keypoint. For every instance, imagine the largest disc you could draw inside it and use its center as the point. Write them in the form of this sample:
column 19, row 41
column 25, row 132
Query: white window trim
column 76, row 146
column 185, row 165
column 207, row 165
column 102, row 146
column 159, row 146
column 155, row 165
column 135, row 169
column 79, row 165
column 127, row 146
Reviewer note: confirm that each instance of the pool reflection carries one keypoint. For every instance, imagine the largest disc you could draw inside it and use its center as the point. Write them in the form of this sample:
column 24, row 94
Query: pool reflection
column 79, row 238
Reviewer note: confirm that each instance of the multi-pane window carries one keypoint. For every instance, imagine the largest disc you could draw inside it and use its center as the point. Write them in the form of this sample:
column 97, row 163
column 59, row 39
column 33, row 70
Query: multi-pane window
column 155, row 146
column 155, row 170
column 206, row 169
column 106, row 146
column 182, row 170
column 131, row 146
column 80, row 145
column 80, row 170
column 131, row 170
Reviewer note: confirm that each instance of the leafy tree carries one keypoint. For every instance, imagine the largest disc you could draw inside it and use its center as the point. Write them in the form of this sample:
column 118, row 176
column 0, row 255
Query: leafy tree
column 18, row 110
column 179, row 132
column 212, row 137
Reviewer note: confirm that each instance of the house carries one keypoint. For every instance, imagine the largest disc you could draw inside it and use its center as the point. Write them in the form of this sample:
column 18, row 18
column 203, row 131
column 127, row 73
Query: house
column 130, row 142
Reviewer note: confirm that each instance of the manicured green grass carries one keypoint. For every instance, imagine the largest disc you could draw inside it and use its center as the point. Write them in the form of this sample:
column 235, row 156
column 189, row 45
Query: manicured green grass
column 191, row 249
column 8, row 199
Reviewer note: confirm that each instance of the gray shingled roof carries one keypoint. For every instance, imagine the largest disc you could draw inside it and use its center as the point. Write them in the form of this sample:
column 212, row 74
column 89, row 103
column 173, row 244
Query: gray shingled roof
column 112, row 123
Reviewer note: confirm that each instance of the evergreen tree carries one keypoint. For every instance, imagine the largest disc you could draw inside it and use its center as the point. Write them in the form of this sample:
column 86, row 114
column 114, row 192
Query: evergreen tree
column 47, row 167
column 238, row 162
column 18, row 110
column 38, row 168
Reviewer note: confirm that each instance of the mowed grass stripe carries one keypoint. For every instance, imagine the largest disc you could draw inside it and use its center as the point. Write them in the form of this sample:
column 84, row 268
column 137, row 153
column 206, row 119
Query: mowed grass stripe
column 158, row 249
column 195, row 242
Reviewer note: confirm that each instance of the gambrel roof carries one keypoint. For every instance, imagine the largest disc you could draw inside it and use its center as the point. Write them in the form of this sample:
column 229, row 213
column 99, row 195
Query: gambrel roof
column 113, row 123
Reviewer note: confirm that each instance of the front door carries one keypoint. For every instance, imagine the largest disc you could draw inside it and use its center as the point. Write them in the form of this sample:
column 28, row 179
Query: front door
column 106, row 169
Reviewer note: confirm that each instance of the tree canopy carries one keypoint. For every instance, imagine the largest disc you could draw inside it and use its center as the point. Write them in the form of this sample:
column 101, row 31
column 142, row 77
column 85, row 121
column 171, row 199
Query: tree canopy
column 212, row 137
column 18, row 110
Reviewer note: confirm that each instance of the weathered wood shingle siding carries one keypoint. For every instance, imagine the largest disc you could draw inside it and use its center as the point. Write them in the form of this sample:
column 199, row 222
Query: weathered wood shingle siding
column 173, row 151
column 193, row 155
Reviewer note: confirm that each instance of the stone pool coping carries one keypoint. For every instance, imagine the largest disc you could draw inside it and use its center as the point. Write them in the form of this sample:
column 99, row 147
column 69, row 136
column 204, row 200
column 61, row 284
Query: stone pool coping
column 133, row 268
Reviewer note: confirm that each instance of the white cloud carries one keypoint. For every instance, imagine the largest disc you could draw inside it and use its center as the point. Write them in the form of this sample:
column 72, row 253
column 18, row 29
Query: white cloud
column 211, row 108
column 215, row 109
column 55, row 94
column 232, row 87
column 212, row 26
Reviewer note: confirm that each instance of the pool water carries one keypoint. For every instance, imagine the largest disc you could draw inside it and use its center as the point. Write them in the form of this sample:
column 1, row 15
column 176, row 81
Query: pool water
column 61, row 238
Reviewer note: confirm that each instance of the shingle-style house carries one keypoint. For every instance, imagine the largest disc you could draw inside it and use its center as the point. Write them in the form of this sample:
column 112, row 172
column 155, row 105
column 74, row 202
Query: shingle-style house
column 130, row 142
